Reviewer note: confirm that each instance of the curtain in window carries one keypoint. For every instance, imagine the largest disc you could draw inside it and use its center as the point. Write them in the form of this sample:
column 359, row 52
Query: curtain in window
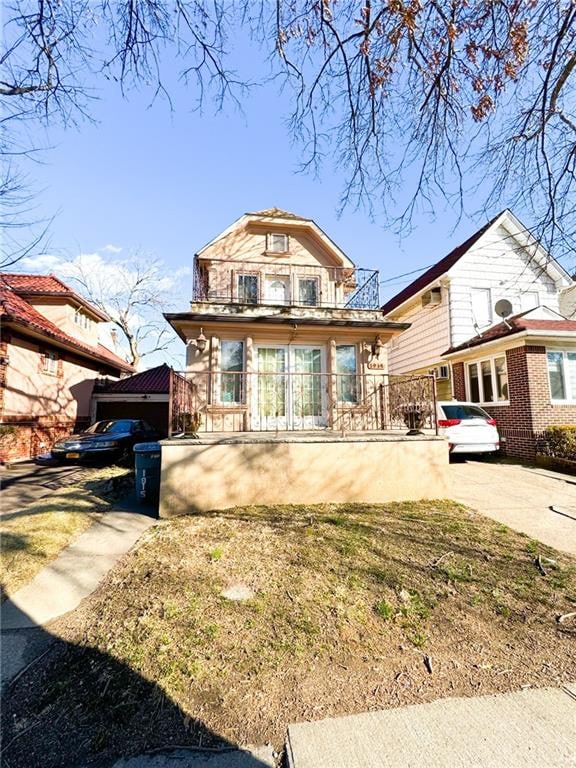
column 307, row 389
column 272, row 381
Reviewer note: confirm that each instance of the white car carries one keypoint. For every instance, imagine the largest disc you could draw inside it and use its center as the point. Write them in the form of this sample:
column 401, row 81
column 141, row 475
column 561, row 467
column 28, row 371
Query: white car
column 467, row 427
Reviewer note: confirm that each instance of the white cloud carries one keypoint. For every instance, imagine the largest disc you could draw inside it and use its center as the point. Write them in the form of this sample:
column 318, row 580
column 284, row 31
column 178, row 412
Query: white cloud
column 111, row 248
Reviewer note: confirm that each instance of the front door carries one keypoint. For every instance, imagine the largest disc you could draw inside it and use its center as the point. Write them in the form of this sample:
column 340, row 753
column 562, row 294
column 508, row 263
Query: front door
column 289, row 392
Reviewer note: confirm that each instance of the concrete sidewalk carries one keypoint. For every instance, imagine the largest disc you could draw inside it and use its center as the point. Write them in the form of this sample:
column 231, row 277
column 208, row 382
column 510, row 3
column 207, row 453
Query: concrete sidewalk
column 61, row 586
column 531, row 728
column 535, row 501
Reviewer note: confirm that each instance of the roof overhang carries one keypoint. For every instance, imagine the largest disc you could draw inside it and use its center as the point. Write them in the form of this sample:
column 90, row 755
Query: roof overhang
column 525, row 336
column 45, row 338
column 183, row 319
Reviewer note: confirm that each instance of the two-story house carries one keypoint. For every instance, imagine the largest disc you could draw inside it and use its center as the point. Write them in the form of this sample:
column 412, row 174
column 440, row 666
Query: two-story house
column 521, row 367
column 50, row 357
column 287, row 354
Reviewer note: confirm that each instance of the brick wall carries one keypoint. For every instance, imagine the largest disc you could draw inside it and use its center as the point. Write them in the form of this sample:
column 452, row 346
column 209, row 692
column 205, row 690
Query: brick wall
column 530, row 410
column 25, row 439
column 458, row 381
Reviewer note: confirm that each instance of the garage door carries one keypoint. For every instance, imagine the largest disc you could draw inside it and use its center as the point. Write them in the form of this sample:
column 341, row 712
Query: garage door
column 155, row 414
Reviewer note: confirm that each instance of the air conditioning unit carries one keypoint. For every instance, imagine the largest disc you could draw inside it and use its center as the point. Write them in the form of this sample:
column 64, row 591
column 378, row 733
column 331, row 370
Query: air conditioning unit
column 432, row 297
column 443, row 372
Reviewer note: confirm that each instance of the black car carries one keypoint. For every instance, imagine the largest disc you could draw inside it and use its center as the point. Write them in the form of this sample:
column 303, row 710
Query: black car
column 106, row 441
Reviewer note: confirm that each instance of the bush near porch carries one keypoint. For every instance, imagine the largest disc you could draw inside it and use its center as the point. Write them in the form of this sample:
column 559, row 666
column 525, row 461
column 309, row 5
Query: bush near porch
column 354, row 607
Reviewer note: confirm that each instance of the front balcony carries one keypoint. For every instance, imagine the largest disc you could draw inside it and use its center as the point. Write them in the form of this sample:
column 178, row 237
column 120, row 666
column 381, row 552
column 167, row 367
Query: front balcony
column 249, row 285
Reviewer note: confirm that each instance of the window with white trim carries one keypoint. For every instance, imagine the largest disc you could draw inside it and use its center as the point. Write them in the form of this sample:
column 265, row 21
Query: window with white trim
column 487, row 380
column 276, row 242
column 481, row 306
column 50, row 363
column 562, row 375
column 82, row 319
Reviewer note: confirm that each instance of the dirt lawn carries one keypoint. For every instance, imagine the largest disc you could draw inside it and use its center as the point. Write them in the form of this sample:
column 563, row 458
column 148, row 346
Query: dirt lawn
column 348, row 608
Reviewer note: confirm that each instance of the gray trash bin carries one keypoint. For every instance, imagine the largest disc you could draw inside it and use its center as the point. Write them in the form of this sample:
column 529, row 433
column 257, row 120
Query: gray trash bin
column 147, row 462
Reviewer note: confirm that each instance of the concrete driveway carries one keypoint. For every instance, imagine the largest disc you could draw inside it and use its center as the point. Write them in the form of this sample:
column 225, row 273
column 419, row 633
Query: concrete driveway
column 534, row 501
column 24, row 483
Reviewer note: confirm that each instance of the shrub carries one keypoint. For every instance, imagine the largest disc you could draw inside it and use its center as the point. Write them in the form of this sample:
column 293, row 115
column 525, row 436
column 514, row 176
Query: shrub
column 559, row 442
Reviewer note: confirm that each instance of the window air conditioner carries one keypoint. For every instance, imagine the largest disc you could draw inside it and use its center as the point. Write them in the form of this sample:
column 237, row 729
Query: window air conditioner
column 432, row 297
column 443, row 372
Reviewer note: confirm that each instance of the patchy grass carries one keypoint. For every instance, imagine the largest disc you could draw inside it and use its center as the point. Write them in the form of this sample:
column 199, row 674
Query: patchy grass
column 352, row 607
column 36, row 534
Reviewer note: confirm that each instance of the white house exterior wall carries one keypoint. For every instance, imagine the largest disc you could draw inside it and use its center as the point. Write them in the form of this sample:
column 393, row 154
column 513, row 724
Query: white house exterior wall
column 498, row 263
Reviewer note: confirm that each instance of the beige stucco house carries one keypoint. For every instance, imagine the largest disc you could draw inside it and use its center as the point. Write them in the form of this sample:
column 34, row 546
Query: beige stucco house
column 286, row 346
column 50, row 357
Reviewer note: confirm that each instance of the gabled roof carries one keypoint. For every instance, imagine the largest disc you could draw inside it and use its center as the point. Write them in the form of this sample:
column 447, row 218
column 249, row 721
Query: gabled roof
column 290, row 219
column 47, row 285
column 517, row 324
column 15, row 309
column 437, row 270
column 154, row 381
column 517, row 231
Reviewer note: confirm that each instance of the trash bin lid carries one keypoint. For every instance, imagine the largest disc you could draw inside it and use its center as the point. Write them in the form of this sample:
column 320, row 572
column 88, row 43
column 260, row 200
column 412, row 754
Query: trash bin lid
column 147, row 448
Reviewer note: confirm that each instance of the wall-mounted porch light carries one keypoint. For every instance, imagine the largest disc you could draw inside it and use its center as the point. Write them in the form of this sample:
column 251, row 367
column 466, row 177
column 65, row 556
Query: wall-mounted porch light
column 377, row 346
column 201, row 341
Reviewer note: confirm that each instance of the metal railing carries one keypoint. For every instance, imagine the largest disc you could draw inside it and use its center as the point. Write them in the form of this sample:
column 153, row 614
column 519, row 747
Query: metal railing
column 285, row 284
column 240, row 401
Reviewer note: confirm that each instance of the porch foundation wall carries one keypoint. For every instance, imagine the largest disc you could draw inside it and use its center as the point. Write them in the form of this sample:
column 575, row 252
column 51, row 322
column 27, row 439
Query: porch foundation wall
column 198, row 475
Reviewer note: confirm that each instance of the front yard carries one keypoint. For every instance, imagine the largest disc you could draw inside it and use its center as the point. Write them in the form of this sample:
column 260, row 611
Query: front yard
column 346, row 609
column 35, row 534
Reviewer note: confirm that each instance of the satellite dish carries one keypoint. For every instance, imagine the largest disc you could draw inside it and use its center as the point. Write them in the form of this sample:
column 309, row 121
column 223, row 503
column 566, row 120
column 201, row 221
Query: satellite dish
column 503, row 308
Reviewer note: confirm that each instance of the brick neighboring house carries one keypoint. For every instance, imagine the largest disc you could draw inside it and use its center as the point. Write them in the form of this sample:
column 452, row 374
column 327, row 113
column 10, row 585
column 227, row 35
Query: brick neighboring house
column 50, row 358
column 456, row 332
column 531, row 361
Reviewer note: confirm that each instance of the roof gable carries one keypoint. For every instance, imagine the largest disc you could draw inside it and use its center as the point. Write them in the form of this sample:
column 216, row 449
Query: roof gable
column 442, row 267
column 278, row 217
column 16, row 309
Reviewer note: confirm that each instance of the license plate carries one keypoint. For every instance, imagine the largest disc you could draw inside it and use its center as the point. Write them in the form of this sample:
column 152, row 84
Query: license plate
column 72, row 455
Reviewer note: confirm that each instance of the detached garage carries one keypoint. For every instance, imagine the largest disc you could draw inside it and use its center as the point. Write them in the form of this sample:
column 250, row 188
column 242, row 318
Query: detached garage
column 145, row 396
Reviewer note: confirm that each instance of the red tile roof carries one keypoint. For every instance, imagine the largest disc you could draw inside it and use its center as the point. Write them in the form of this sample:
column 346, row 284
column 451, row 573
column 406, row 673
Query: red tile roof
column 15, row 309
column 153, row 381
column 516, row 324
column 46, row 285
column 437, row 270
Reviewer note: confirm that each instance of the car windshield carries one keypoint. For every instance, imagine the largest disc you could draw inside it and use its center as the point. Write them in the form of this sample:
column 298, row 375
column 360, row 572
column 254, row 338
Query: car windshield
column 459, row 411
column 111, row 427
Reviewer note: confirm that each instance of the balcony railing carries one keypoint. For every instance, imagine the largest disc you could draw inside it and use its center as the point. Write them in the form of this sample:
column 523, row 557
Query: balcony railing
column 240, row 401
column 284, row 284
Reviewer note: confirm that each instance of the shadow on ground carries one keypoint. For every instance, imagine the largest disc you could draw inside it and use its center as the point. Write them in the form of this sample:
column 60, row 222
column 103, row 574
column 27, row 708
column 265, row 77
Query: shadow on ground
column 110, row 712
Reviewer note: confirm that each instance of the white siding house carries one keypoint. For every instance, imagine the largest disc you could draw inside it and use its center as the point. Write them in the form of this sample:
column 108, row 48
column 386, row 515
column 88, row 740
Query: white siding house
column 455, row 300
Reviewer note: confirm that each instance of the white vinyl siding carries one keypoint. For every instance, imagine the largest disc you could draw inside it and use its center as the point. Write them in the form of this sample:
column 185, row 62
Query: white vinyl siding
column 499, row 264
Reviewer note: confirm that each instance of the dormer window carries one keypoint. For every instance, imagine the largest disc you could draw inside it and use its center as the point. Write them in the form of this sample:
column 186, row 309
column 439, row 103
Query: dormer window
column 82, row 319
column 276, row 243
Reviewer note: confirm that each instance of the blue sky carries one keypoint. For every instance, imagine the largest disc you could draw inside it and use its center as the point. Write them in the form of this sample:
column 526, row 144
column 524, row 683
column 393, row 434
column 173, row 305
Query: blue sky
column 143, row 177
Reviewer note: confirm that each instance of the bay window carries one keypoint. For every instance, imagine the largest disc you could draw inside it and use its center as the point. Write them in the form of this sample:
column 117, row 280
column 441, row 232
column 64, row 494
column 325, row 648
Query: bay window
column 487, row 380
column 562, row 374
